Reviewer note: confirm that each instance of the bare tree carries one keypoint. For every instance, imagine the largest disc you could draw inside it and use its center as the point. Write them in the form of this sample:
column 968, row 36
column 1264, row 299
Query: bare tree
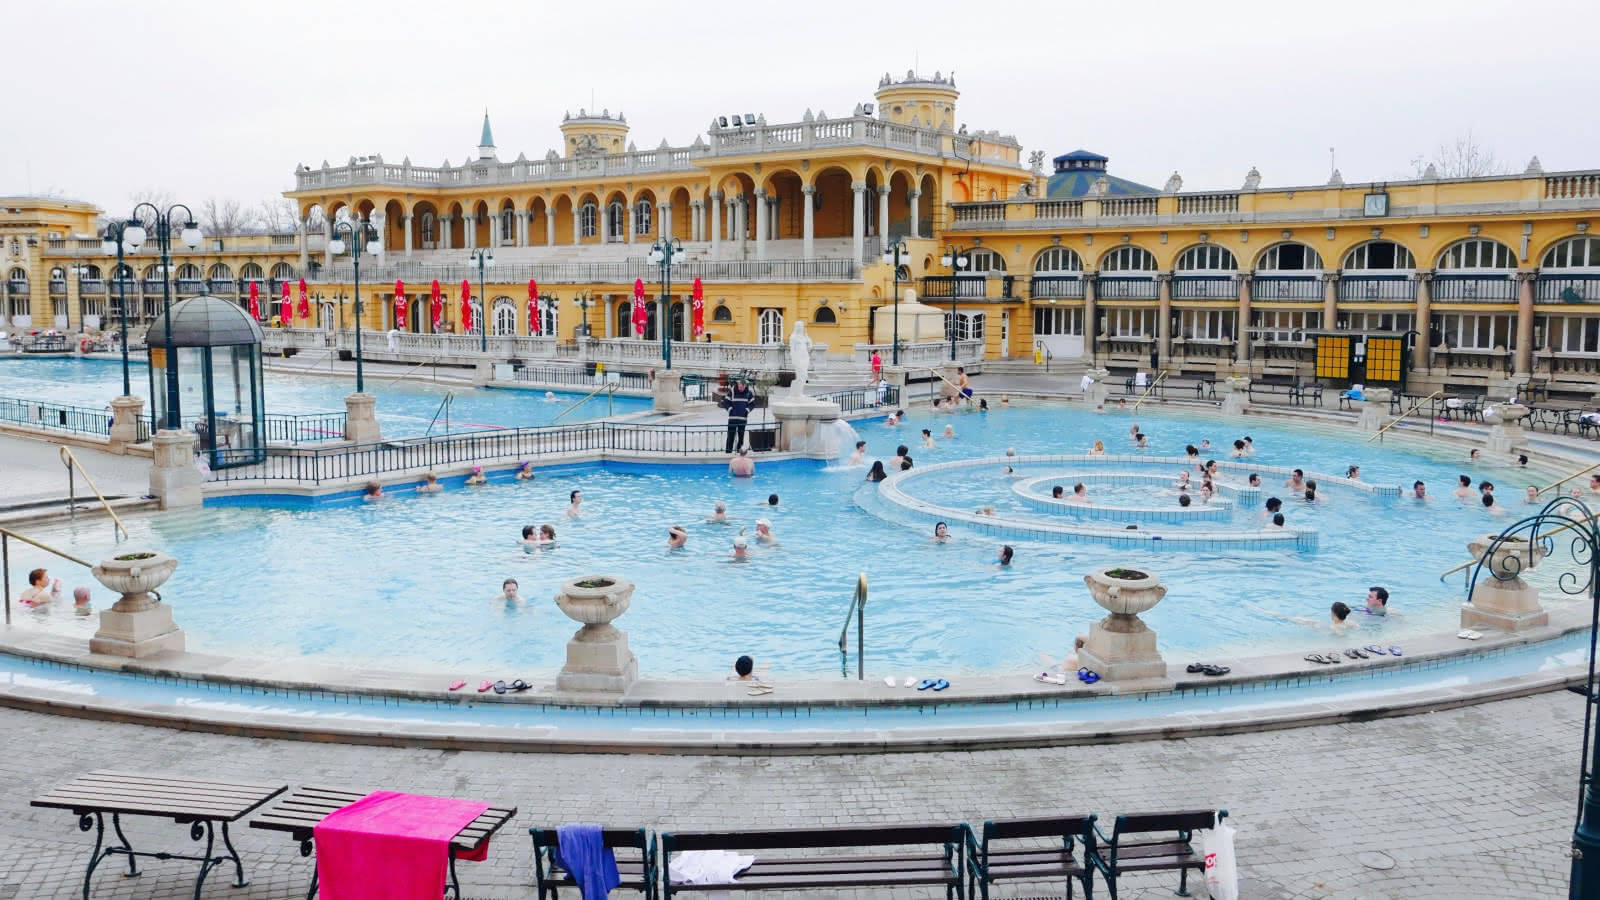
column 1462, row 158
column 278, row 214
column 160, row 198
column 225, row 218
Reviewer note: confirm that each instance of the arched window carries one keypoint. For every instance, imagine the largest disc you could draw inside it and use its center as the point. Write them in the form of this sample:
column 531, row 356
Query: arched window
column 614, row 221
column 505, row 317
column 1207, row 258
column 251, row 272
column 508, row 226
column 58, row 275
column 586, row 221
column 1381, row 255
column 18, row 279
column 1573, row 253
column 641, row 217
column 549, row 317
column 982, row 261
column 153, row 272
column 624, row 319
column 771, row 326
column 1289, row 257
column 283, row 272
column 477, row 317
column 124, row 272
column 1057, row 260
column 1128, row 259
column 220, row 272
column 722, row 314
column 90, row 272
column 1478, row 253
column 825, row 316
column 188, row 272
column 427, row 229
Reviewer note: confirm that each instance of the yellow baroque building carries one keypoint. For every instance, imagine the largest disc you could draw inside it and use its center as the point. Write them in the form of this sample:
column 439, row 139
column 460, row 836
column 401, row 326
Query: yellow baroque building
column 1486, row 282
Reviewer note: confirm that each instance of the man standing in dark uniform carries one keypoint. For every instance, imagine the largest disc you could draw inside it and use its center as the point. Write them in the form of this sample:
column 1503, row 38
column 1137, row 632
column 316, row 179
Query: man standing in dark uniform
column 738, row 406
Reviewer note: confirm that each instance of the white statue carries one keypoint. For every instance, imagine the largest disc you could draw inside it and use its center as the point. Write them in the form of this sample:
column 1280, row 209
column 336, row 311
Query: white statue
column 800, row 358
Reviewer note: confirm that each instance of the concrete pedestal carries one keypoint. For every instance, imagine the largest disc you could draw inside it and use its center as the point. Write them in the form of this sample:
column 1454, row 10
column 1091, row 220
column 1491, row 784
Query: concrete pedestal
column 1507, row 605
column 137, row 634
column 1371, row 412
column 803, row 423
column 125, row 414
column 1505, row 427
column 1121, row 648
column 666, row 392
column 1100, row 390
column 1235, row 391
column 361, row 419
column 598, row 659
column 174, row 480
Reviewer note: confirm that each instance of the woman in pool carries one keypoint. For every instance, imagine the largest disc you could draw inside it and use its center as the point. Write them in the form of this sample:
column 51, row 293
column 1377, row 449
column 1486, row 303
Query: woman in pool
column 1139, row 442
column 41, row 589
column 575, row 504
column 430, row 484
column 1533, row 495
column 983, row 406
column 876, row 473
column 677, row 537
column 949, row 431
column 1006, row 553
column 1353, row 473
column 1099, row 449
column 525, row 470
column 941, row 533
column 719, row 514
column 927, row 439
column 1238, row 450
column 373, row 492
column 547, row 533
column 764, row 532
column 476, row 478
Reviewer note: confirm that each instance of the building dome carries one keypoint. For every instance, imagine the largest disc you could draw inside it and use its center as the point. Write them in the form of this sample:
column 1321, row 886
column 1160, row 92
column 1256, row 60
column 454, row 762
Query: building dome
column 1077, row 172
column 205, row 322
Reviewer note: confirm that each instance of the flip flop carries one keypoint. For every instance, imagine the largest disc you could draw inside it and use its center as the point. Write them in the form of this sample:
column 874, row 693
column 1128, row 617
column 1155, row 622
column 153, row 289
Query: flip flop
column 1333, row 657
column 500, row 687
column 1316, row 658
column 1084, row 673
column 520, row 685
column 485, row 686
column 1195, row 668
column 1374, row 649
column 1395, row 651
column 1216, row 671
column 457, row 685
column 1469, row 635
column 926, row 683
column 758, row 689
column 940, row 685
column 1360, row 653
column 1090, row 677
column 1350, row 654
column 889, row 680
column 909, row 681
column 1049, row 678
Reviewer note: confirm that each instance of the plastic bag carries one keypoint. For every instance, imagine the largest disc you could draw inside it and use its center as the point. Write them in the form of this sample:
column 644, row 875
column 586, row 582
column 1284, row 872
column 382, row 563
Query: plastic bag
column 1222, row 869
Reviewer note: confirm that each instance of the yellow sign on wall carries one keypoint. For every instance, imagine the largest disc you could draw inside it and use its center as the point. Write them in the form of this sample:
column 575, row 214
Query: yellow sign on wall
column 1333, row 357
column 1383, row 358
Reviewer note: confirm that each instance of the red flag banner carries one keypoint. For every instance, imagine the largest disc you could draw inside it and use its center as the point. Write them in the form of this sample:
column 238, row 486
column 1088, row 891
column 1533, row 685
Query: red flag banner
column 255, row 301
column 466, row 307
column 699, row 307
column 436, row 307
column 400, row 311
column 288, row 307
column 305, row 302
column 641, row 316
column 533, row 307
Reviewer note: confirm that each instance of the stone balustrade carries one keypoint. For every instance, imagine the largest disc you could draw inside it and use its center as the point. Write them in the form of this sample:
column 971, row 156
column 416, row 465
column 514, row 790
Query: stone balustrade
column 920, row 355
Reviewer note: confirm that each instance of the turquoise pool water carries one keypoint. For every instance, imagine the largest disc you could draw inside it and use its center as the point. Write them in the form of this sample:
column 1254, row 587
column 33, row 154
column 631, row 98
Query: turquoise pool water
column 408, row 582
column 405, row 408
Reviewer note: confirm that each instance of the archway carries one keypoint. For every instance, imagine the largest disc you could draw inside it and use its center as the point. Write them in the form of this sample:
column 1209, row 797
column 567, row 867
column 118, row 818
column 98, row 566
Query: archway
column 833, row 204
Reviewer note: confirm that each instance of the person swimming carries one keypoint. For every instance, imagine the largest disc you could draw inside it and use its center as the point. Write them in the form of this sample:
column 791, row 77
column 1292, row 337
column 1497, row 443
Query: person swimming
column 1099, row 449
column 859, row 455
column 430, row 484
column 949, row 431
column 1139, row 441
column 1464, row 491
column 741, row 548
column 1353, row 473
column 941, row 533
column 899, row 454
column 1238, row 450
column 373, row 492
column 927, row 439
column 575, row 504
column 525, row 470
column 1297, row 481
column 677, row 537
column 764, row 532
column 509, row 592
column 1080, row 495
column 876, row 473
column 719, row 514
column 1006, row 555
column 476, row 478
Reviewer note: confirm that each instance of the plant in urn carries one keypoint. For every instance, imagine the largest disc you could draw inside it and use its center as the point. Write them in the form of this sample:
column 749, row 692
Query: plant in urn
column 138, row 624
column 598, row 658
column 1121, row 646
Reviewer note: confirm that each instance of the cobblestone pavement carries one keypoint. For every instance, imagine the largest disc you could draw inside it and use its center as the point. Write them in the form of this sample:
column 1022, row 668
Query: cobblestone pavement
column 1472, row 802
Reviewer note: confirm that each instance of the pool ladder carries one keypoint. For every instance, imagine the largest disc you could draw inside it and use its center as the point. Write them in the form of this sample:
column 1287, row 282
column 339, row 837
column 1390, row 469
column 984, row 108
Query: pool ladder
column 858, row 609
column 443, row 410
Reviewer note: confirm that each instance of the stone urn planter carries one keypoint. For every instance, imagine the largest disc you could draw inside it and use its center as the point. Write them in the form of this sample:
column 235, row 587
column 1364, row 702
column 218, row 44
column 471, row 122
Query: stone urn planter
column 1505, row 426
column 1235, row 391
column 138, row 624
column 1502, row 599
column 1121, row 647
column 1372, row 410
column 598, row 658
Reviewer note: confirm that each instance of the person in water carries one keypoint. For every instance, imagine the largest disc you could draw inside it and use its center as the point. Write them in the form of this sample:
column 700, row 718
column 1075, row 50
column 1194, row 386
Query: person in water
column 575, row 504
column 1006, row 555
column 476, row 478
column 742, row 466
column 508, row 592
column 941, row 533
column 859, row 455
column 876, row 473
column 741, row 548
column 1464, row 491
column 41, row 589
column 927, row 439
column 373, row 492
column 764, row 532
column 719, row 514
column 430, row 484
column 677, row 537
column 525, row 470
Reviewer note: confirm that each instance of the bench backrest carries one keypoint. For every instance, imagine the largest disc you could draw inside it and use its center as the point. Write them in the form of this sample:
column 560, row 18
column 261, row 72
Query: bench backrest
column 854, row 836
column 1066, row 827
column 1182, row 821
column 613, row 838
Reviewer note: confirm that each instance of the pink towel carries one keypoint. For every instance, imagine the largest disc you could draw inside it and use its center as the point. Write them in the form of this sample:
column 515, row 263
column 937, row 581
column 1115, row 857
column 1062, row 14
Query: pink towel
column 389, row 846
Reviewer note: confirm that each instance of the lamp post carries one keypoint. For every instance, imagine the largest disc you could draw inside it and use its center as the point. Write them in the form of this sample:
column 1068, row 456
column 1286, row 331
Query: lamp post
column 133, row 233
column 662, row 253
column 892, row 255
column 955, row 258
column 483, row 258
column 360, row 241
column 115, row 237
column 583, row 301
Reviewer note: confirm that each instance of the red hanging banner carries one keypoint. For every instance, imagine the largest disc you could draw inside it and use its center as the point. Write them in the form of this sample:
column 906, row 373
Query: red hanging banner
column 640, row 315
column 400, row 304
column 533, row 307
column 288, row 307
column 255, row 301
column 466, row 307
column 305, row 303
column 436, row 308
column 699, row 306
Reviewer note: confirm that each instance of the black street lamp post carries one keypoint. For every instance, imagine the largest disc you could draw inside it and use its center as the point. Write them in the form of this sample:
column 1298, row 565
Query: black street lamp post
column 892, row 254
column 662, row 253
column 583, row 301
column 360, row 241
column 133, row 233
column 955, row 258
column 483, row 258
column 116, row 236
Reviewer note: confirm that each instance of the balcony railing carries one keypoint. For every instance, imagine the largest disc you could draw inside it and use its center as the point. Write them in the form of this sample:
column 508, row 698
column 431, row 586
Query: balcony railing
column 1108, row 287
column 91, row 286
column 1065, row 287
column 1127, row 207
column 57, row 288
column 603, row 273
column 1207, row 204
column 1474, row 288
column 1205, row 287
column 1371, row 288
column 222, row 285
column 969, row 287
column 1057, row 209
column 17, row 286
column 1287, row 287
column 189, row 285
column 1562, row 288
column 980, row 212
column 153, row 285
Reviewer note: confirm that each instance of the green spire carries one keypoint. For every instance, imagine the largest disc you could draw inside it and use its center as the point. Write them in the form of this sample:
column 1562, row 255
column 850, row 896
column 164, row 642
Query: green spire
column 488, row 136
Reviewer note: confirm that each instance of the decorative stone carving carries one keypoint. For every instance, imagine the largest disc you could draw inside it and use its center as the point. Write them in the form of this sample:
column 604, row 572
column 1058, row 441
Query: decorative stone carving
column 1174, row 183
column 1534, row 167
column 1371, row 411
column 1252, row 179
column 1500, row 598
column 174, row 480
column 125, row 413
column 1505, row 426
column 1336, row 179
column 598, row 658
column 137, row 625
column 666, row 391
column 1121, row 647
column 1235, row 391
column 1431, row 173
column 1036, row 162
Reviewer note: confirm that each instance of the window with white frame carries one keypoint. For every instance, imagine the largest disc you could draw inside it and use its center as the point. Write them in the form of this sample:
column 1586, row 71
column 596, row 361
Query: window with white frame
column 58, row 276
column 1207, row 258
column 1128, row 259
column 771, row 326
column 1057, row 261
column 508, row 225
column 18, row 306
column 549, row 316
column 477, row 317
column 1476, row 332
column 969, row 326
column 615, row 216
column 983, row 261
column 282, row 272
column 1289, row 257
column 505, row 316
column 1573, row 253
column 1370, row 322
column 1283, row 326
column 1130, row 323
column 1206, row 324
column 642, row 217
column 1053, row 320
column 427, row 228
column 251, row 272
column 586, row 220
column 1380, row 255
column 1478, row 253
column 1567, row 334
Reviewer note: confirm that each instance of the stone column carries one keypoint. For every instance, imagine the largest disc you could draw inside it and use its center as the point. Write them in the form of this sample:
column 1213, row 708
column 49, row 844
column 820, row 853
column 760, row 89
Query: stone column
column 1089, row 321
column 882, row 230
column 549, row 227
column 741, row 210
column 696, row 229
column 522, row 227
column 1241, row 325
column 627, row 223
column 300, row 233
column 716, row 222
column 664, row 221
column 1330, row 299
column 470, row 223
column 408, row 233
column 577, row 223
column 125, row 414
column 808, row 234
column 361, row 419
column 913, row 197
column 1524, row 354
column 1164, row 319
column 1419, row 353
column 447, row 233
column 858, row 225
column 174, row 480
column 761, row 223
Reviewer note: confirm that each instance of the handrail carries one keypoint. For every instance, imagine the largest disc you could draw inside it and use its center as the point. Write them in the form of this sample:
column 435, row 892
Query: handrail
column 444, row 406
column 71, row 461
column 1147, row 390
column 1570, row 477
column 858, row 608
column 1408, row 412
column 940, row 375
column 1567, row 527
column 604, row 386
column 434, row 360
column 5, row 560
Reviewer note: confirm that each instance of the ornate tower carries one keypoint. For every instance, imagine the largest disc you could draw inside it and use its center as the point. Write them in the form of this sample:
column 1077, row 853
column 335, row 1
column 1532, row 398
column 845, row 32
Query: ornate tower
column 919, row 100
column 486, row 140
column 588, row 134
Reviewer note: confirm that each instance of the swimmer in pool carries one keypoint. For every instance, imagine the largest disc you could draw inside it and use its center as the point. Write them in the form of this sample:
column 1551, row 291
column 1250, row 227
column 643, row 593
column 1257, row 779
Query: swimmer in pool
column 1353, row 473
column 1297, row 481
column 373, row 492
column 764, row 532
column 575, row 504
column 1491, row 508
column 895, row 418
column 1099, row 449
column 927, row 439
column 1006, row 555
column 719, row 514
column 1274, row 506
column 876, row 473
column 508, row 592
column 1277, row 520
column 1139, row 442
column 525, row 470
column 1419, row 491
column 949, row 431
column 1532, row 495
column 550, row 397
column 476, row 478
column 530, row 537
column 899, row 455
column 430, row 484
column 1255, row 479
column 741, row 549
column 1080, row 495
column 859, row 455
column 676, row 537
column 1238, row 450
column 1464, row 492
column 941, row 533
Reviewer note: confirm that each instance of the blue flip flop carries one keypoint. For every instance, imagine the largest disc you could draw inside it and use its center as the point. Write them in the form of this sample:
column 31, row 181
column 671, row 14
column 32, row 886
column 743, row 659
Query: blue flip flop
column 1090, row 677
column 1083, row 673
column 940, row 685
column 1395, row 651
column 926, row 683
column 1373, row 649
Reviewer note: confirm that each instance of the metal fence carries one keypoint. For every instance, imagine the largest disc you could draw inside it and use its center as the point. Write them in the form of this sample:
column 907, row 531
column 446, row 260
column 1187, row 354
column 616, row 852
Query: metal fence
column 578, row 377
column 59, row 417
column 857, row 399
column 376, row 459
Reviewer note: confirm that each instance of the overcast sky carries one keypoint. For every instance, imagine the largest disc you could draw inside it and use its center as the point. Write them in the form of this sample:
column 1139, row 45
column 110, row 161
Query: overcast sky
column 222, row 99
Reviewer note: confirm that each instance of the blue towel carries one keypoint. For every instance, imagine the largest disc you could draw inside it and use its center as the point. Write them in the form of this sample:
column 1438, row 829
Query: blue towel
column 584, row 854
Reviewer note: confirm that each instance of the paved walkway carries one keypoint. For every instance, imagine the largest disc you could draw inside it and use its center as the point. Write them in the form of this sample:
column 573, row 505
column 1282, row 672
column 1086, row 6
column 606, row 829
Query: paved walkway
column 1474, row 802
column 31, row 471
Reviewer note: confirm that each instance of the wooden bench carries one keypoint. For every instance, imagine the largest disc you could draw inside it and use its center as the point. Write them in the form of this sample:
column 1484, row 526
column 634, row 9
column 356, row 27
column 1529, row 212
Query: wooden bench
column 938, row 863
column 300, row 811
column 1115, row 855
column 639, row 874
column 1203, row 387
column 199, row 803
column 1022, row 859
column 1298, row 392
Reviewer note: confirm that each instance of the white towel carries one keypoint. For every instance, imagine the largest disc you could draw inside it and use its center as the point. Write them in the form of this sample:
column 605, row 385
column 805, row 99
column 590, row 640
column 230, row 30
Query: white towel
column 1139, row 379
column 708, row 866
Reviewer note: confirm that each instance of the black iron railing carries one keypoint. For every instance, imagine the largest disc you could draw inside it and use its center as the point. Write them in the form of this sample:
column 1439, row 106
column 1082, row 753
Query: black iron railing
column 1286, row 287
column 578, row 377
column 56, row 416
column 1474, row 288
column 857, row 399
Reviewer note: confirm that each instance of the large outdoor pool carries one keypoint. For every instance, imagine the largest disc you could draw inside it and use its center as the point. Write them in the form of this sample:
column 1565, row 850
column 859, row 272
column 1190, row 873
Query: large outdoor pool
column 408, row 582
column 405, row 407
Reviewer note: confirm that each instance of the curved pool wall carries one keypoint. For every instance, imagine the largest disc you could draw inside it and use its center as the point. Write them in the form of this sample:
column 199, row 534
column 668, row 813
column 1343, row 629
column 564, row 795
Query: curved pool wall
column 1035, row 492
